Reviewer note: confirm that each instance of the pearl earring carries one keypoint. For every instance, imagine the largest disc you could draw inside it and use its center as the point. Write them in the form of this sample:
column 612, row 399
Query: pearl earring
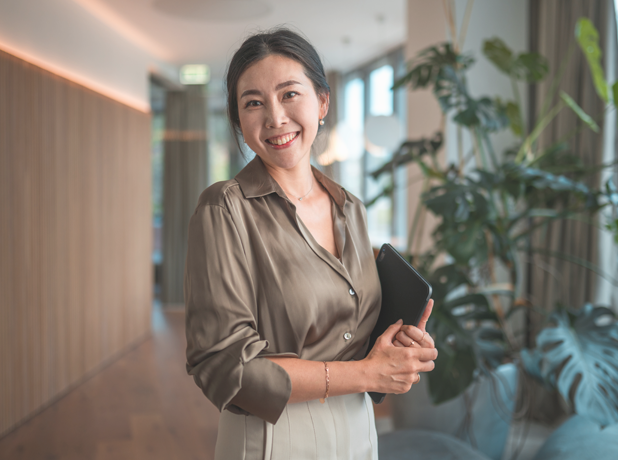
column 321, row 122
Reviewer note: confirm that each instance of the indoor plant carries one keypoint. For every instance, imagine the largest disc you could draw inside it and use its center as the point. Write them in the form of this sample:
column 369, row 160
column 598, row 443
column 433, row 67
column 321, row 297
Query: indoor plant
column 488, row 213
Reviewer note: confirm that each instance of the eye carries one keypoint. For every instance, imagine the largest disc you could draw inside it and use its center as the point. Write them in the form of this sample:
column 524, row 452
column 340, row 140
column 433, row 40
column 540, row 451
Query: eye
column 290, row 94
column 253, row 104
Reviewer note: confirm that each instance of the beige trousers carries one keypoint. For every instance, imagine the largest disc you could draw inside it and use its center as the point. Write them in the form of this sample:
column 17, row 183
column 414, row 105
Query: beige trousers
column 343, row 428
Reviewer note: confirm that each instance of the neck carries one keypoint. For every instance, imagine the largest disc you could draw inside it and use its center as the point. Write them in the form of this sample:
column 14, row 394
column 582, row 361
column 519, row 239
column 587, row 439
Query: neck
column 296, row 180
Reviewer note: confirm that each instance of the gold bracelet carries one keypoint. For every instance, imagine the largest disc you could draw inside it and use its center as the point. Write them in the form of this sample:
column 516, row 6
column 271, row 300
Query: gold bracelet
column 327, row 383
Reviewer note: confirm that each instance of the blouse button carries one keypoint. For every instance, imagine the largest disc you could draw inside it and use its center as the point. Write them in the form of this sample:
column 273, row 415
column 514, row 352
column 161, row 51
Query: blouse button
column 347, row 336
column 351, row 291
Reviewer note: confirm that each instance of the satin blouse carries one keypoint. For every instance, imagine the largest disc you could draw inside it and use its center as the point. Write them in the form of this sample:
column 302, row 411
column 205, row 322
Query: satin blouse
column 256, row 284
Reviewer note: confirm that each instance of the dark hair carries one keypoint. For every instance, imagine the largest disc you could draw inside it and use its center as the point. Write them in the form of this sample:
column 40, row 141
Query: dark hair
column 280, row 41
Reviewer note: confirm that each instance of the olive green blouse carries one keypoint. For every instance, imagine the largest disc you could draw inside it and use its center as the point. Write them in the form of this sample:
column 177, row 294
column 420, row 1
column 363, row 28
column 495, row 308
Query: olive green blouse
column 256, row 283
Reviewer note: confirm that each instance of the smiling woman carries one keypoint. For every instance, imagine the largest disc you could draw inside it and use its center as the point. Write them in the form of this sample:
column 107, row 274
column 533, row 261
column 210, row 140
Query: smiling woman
column 281, row 287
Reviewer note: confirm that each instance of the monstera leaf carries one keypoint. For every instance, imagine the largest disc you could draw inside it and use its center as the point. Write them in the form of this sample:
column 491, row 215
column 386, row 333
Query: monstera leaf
column 579, row 356
column 425, row 67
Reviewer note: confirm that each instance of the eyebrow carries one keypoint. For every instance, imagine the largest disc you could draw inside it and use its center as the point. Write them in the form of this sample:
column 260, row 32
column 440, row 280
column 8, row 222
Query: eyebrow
column 277, row 88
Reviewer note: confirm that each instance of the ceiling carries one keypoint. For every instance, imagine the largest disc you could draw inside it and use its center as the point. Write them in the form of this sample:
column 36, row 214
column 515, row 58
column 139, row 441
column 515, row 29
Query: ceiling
column 346, row 33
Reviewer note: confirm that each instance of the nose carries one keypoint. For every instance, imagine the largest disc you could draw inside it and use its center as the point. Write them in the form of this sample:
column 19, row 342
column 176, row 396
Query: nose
column 275, row 115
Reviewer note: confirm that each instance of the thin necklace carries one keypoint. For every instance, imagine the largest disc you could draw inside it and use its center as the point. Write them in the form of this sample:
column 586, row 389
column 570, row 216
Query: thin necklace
column 305, row 195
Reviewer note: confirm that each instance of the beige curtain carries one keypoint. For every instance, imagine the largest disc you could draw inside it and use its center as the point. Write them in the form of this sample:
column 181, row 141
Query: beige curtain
column 553, row 280
column 185, row 176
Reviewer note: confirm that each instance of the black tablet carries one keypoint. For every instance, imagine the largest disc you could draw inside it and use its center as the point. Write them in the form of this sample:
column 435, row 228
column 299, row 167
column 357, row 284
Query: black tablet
column 405, row 294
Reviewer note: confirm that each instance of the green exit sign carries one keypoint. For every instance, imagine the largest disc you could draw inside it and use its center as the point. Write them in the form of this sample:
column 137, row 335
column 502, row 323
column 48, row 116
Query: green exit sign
column 194, row 74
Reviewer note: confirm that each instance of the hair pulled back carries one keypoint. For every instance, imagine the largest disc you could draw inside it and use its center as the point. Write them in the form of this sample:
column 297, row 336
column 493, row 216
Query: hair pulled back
column 280, row 41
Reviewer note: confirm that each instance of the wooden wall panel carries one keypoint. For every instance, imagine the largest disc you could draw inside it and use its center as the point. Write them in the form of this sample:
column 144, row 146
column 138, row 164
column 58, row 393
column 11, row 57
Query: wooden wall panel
column 75, row 235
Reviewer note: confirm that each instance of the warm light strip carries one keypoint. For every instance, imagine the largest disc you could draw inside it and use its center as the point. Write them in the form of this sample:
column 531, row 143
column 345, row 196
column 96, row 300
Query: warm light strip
column 126, row 99
column 120, row 25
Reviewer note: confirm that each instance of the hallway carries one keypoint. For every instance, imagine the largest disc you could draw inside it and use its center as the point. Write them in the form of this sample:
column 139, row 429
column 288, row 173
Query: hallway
column 142, row 406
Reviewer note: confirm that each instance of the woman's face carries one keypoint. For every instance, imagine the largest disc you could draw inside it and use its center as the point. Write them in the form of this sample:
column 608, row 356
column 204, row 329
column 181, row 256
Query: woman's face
column 279, row 111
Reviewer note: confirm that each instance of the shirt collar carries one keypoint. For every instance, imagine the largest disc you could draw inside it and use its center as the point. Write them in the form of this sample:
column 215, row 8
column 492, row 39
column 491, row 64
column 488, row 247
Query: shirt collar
column 255, row 181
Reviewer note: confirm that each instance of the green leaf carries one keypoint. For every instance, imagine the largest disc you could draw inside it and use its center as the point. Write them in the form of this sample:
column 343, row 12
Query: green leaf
column 410, row 150
column 512, row 112
column 531, row 67
column 615, row 93
column 489, row 345
column 531, row 360
column 611, row 192
column 526, row 66
column 482, row 112
column 468, row 299
column 425, row 67
column 583, row 116
column 456, row 361
column 499, row 54
column 581, row 360
column 450, row 88
column 588, row 39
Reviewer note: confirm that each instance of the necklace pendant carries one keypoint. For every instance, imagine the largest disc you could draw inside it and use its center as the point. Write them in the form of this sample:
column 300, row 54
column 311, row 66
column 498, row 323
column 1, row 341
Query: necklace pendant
column 300, row 199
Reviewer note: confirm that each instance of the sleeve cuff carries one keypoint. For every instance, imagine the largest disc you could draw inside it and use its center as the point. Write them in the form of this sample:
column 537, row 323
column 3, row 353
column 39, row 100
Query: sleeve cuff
column 265, row 390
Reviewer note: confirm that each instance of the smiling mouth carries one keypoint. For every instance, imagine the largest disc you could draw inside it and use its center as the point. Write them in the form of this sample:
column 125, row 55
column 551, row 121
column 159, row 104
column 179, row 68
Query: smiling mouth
column 282, row 140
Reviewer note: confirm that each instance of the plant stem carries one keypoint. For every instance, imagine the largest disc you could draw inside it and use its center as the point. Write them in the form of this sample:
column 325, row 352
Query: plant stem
column 525, row 151
column 417, row 215
column 484, row 137
column 449, row 12
column 553, row 89
column 421, row 228
column 460, row 153
column 464, row 25
column 573, row 132
column 518, row 102
column 480, row 159
column 496, row 298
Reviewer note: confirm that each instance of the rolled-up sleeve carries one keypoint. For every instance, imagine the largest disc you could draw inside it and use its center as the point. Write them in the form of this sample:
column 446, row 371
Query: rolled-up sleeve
column 223, row 344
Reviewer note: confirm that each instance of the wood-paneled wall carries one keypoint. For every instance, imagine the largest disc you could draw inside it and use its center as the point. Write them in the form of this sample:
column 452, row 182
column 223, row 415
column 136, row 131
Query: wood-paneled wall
column 75, row 235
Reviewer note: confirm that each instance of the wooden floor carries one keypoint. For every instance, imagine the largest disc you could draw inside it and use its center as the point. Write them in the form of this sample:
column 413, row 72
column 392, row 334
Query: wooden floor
column 143, row 406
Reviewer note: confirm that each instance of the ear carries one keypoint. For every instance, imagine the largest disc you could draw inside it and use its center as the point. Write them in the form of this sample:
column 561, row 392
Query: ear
column 324, row 104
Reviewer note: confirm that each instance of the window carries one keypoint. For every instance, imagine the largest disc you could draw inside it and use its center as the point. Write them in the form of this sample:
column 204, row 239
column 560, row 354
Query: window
column 367, row 92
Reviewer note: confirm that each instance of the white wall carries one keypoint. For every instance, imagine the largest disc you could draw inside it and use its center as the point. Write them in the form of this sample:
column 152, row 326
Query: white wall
column 507, row 20
column 65, row 37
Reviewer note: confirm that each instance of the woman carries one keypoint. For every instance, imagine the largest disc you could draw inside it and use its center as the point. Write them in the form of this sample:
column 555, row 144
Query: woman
column 281, row 286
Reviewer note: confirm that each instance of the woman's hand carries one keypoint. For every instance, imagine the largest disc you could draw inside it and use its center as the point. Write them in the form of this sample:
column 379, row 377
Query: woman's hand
column 393, row 369
column 411, row 336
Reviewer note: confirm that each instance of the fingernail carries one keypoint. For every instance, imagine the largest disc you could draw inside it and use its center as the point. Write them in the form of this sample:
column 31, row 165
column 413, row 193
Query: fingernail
column 399, row 321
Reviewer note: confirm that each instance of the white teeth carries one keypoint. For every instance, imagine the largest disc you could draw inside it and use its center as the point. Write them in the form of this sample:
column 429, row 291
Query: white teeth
column 284, row 139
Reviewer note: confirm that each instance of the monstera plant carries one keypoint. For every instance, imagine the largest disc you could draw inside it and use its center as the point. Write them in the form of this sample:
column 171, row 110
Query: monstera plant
column 578, row 355
column 488, row 206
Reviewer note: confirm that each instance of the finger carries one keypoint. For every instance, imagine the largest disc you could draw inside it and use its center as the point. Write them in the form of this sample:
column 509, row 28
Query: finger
column 415, row 334
column 426, row 314
column 426, row 354
column 398, row 344
column 405, row 339
column 428, row 341
column 426, row 366
column 391, row 331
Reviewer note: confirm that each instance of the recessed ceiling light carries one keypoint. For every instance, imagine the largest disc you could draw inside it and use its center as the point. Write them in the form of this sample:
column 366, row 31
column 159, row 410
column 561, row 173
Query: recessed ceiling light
column 213, row 10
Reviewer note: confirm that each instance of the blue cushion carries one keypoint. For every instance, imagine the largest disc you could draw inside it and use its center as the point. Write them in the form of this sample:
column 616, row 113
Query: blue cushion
column 581, row 438
column 487, row 426
column 426, row 445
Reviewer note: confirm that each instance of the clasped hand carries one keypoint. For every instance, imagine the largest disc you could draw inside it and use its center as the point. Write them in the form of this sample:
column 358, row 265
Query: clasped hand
column 400, row 354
